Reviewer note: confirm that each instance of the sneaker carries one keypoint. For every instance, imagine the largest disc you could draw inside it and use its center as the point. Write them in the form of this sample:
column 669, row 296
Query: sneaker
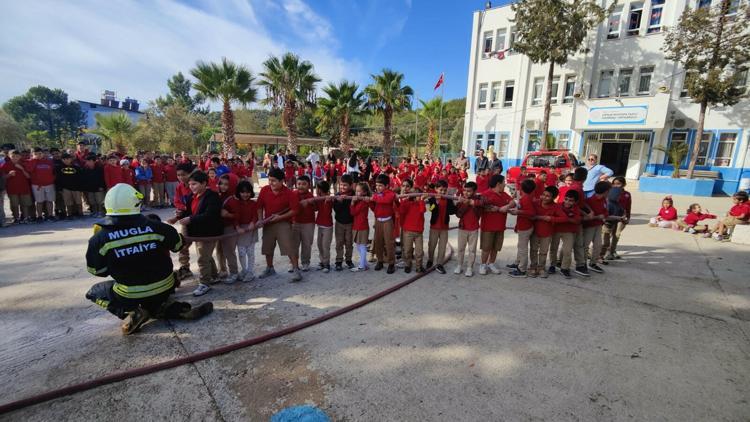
column 610, row 257
column 358, row 269
column 706, row 235
column 248, row 277
column 691, row 230
column 407, row 270
column 232, row 279
column 533, row 273
column 429, row 264
column 391, row 269
column 338, row 267
column 616, row 255
column 268, row 272
column 543, row 274
column 326, row 269
column 400, row 264
column 717, row 236
column 582, row 271
column 512, row 266
column 596, row 268
column 134, row 320
column 517, row 273
column 378, row 266
column 373, row 258
column 296, row 277
column 457, row 271
column 439, row 268
column 551, row 270
column 201, row 289
column 350, row 264
column 494, row 269
column 566, row 273
column 305, row 267
column 198, row 312
column 183, row 273
column 420, row 269
column 482, row 269
column 469, row 272
column 321, row 266
column 223, row 275
column 16, row 221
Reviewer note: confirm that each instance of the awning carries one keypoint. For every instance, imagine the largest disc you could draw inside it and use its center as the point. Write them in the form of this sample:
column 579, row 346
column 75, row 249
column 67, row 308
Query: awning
column 269, row 139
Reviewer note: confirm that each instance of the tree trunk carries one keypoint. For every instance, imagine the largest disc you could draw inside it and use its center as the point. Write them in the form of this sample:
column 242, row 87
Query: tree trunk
column 430, row 146
column 547, row 105
column 344, row 136
column 289, row 120
column 697, row 141
column 227, row 129
column 387, row 142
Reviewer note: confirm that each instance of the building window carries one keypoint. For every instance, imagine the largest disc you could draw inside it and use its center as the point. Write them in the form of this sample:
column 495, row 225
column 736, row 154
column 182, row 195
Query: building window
column 563, row 140
column 495, row 95
column 741, row 81
column 634, row 18
column 482, row 96
column 534, row 141
column 513, row 34
column 508, row 98
column 734, row 5
column 725, row 149
column 490, row 142
column 703, row 149
column 487, row 43
column 605, row 83
column 677, row 138
column 704, row 3
column 570, row 87
column 613, row 23
column 500, row 42
column 502, row 145
column 623, row 83
column 644, row 81
column 478, row 141
column 555, row 88
column 536, row 97
column 654, row 20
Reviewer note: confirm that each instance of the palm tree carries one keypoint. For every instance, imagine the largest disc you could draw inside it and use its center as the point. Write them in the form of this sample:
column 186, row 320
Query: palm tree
column 117, row 128
column 336, row 111
column 290, row 85
column 431, row 113
column 385, row 95
column 226, row 82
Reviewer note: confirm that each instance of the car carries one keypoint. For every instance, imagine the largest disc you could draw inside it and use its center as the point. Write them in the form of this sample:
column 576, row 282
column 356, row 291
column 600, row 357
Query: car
column 554, row 162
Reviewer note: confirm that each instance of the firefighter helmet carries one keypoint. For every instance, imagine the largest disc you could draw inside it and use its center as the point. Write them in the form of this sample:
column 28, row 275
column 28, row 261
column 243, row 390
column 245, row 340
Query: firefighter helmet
column 123, row 199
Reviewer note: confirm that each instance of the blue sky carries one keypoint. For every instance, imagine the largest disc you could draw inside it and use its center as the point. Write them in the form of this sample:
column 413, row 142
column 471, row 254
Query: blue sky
column 132, row 47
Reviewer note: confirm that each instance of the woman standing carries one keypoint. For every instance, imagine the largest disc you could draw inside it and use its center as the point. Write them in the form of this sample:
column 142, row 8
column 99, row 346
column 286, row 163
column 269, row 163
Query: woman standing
column 352, row 166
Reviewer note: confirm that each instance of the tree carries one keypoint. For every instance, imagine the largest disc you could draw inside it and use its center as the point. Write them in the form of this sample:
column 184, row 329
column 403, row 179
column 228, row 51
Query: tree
column 10, row 130
column 290, row 85
column 430, row 112
column 335, row 112
column 550, row 31
column 117, row 128
column 386, row 95
column 713, row 46
column 228, row 83
column 173, row 129
column 179, row 94
column 46, row 109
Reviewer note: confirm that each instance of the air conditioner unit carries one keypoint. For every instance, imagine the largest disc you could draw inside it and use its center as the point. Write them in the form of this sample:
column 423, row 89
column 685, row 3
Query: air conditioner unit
column 679, row 123
column 578, row 94
column 532, row 124
column 663, row 89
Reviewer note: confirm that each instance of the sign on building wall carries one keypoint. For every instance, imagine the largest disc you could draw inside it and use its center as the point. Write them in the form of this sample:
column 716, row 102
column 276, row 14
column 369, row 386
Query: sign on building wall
column 624, row 115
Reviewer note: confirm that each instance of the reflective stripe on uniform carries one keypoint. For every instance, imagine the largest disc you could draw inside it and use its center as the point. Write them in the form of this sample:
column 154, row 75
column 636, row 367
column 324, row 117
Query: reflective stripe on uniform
column 103, row 303
column 178, row 246
column 94, row 271
column 139, row 292
column 129, row 241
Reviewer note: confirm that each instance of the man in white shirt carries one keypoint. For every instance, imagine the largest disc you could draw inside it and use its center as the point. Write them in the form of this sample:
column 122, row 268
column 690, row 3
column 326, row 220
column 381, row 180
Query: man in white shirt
column 313, row 158
column 280, row 159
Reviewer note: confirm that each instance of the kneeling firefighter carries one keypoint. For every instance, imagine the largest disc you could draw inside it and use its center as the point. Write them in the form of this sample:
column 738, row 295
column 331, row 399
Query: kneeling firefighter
column 134, row 251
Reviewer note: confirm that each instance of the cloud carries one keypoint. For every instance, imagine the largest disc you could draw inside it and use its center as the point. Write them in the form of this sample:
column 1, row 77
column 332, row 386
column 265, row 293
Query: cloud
column 87, row 46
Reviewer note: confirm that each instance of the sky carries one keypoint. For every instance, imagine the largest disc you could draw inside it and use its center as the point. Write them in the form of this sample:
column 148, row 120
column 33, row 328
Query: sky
column 133, row 47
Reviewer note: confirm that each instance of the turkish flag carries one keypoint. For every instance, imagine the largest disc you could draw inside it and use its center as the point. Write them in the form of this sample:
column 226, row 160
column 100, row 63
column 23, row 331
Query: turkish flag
column 439, row 82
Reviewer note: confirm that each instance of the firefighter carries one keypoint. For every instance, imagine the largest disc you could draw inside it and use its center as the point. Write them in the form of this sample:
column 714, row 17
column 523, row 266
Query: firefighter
column 134, row 251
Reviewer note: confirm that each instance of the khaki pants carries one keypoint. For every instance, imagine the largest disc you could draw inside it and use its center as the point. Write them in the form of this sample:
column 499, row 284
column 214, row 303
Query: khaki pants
column 412, row 247
column 96, row 201
column 466, row 237
column 206, row 263
column 539, row 250
column 325, row 237
column 302, row 235
column 522, row 256
column 145, row 189
column 566, row 251
column 20, row 205
column 592, row 236
column 183, row 256
column 73, row 203
column 578, row 253
column 227, row 252
column 158, row 194
column 344, row 241
column 610, row 238
column 2, row 208
column 437, row 238
column 383, row 243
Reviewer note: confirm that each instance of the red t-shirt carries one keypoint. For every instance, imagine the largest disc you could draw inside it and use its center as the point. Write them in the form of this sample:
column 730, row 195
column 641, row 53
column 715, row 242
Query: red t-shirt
column 440, row 224
column 668, row 214
column 454, row 181
column 483, row 183
column 384, row 204
column 692, row 218
column 157, row 172
column 18, row 184
column 170, row 173
column 128, row 176
column 113, row 175
column 739, row 210
column 181, row 193
column 494, row 221
column 598, row 206
column 305, row 213
column 471, row 214
column 231, row 205
column 566, row 227
column 411, row 211
column 275, row 202
column 526, row 211
column 195, row 203
column 42, row 172
column 324, row 217
column 547, row 228
column 247, row 212
column 359, row 212
column 213, row 184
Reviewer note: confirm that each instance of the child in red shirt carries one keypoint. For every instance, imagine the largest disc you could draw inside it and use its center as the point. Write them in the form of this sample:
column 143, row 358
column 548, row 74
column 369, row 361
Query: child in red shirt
column 612, row 230
column 324, row 221
column 441, row 210
column 738, row 214
column 246, row 216
column 469, row 212
column 411, row 212
column 157, row 183
column 384, row 204
column 592, row 226
column 227, row 248
column 18, row 188
column 42, row 171
column 497, row 203
column 112, row 172
column 694, row 216
column 170, row 181
column 360, row 226
column 566, row 231
column 181, row 195
column 547, row 214
column 667, row 217
column 483, row 181
column 303, row 223
column 526, row 212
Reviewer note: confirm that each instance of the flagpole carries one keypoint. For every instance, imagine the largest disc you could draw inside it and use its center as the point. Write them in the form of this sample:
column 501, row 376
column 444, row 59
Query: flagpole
column 440, row 125
column 416, row 126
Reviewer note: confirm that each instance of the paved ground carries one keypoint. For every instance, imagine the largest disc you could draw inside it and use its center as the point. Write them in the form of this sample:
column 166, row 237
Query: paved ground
column 663, row 335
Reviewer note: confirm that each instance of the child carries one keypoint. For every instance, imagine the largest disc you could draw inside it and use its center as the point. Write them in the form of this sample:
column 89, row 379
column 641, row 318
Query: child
column 738, row 214
column 69, row 180
column 170, row 181
column 441, row 210
column 42, row 171
column 592, row 227
column 157, row 182
column 112, row 172
column 127, row 172
column 565, row 233
column 360, row 227
column 17, row 187
column 694, row 216
column 411, row 213
column 619, row 204
column 245, row 220
column 213, row 179
column 497, row 203
column 469, row 212
column 143, row 177
column 384, row 204
column 324, row 221
column 278, row 204
column 483, row 181
column 181, row 196
column 342, row 228
column 93, row 185
column 226, row 250
column 667, row 217
column 303, row 222
column 541, row 183
column 524, row 227
column 547, row 213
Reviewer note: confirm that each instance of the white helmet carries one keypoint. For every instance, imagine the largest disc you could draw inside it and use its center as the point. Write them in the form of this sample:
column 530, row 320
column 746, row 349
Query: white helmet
column 123, row 199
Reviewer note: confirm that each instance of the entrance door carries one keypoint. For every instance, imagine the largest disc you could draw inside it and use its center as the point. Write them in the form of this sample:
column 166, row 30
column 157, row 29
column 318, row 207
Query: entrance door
column 615, row 155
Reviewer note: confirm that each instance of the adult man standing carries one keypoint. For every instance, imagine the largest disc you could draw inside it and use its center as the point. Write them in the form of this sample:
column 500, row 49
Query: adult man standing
column 462, row 162
column 313, row 158
column 481, row 162
column 596, row 173
column 280, row 158
column 495, row 164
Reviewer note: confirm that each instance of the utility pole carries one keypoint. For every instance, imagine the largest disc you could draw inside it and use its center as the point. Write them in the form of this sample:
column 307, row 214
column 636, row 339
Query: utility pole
column 416, row 126
column 440, row 125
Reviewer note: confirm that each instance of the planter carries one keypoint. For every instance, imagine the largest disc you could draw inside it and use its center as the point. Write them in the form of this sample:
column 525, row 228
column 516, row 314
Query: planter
column 668, row 185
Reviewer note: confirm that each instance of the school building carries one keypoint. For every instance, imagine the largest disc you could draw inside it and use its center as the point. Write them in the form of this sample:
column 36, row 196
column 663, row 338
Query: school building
column 620, row 99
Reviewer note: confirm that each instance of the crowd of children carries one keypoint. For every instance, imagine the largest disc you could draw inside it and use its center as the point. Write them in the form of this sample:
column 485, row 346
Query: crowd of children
column 696, row 221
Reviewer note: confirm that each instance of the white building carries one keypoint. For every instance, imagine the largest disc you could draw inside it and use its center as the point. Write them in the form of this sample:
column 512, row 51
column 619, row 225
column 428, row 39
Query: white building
column 109, row 105
column 619, row 100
